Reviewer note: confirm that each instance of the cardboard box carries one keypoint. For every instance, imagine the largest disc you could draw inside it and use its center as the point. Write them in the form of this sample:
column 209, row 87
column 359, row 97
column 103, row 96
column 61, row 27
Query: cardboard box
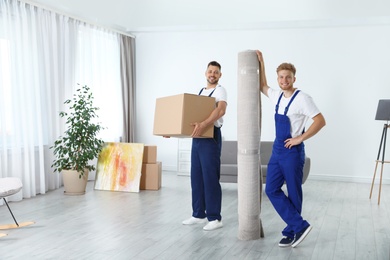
column 174, row 114
column 150, row 154
column 151, row 176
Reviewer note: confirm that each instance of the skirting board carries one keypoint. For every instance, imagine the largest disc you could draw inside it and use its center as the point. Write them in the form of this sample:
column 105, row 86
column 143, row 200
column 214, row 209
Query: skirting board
column 171, row 168
column 347, row 178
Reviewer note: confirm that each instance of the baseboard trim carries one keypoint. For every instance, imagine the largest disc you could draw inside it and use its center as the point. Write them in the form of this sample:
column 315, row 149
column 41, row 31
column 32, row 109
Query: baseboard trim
column 346, row 179
column 314, row 177
column 169, row 168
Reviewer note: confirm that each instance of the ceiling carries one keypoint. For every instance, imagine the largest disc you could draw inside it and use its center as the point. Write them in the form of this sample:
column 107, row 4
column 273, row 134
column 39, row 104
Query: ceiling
column 134, row 16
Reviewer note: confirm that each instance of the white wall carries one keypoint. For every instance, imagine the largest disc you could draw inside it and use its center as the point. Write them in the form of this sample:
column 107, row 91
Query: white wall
column 345, row 68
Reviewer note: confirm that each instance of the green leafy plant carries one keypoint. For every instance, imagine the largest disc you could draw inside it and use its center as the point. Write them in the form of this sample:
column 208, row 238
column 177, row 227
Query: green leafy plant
column 79, row 144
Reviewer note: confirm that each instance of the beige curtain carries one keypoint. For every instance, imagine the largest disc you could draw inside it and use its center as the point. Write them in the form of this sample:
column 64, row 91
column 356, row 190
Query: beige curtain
column 127, row 51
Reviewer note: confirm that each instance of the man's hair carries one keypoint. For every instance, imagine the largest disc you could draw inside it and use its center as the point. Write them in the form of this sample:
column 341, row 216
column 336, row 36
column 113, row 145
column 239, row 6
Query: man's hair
column 214, row 63
column 286, row 66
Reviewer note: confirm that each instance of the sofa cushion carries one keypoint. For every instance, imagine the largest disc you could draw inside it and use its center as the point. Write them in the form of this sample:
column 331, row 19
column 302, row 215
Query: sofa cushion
column 229, row 152
column 230, row 169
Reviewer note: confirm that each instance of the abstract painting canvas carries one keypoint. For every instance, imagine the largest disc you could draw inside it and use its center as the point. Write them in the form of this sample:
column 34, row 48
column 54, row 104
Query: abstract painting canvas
column 119, row 167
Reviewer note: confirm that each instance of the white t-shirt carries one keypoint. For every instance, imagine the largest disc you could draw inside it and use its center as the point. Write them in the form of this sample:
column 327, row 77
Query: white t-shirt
column 301, row 109
column 219, row 94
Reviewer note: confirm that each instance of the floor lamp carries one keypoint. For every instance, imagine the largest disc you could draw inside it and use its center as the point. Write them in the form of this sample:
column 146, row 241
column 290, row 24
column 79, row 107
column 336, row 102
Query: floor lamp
column 383, row 114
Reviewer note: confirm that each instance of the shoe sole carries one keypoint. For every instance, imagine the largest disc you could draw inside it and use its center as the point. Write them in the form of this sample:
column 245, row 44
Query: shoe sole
column 212, row 228
column 285, row 245
column 199, row 221
column 194, row 223
column 307, row 231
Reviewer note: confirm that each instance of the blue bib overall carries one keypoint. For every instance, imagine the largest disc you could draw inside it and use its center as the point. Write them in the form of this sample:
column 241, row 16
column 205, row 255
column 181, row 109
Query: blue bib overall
column 205, row 174
column 286, row 166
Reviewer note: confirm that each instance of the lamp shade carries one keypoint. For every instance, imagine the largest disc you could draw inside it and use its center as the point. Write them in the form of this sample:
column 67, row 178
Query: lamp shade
column 383, row 111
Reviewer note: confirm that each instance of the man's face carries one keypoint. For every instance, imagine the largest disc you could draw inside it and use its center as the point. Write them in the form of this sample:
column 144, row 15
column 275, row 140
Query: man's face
column 213, row 74
column 286, row 79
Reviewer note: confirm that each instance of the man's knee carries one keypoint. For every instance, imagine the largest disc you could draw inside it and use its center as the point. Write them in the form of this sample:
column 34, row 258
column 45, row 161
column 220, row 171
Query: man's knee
column 271, row 191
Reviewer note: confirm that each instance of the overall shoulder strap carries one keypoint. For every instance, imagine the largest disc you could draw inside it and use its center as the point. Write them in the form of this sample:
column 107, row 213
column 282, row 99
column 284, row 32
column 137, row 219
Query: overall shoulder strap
column 291, row 100
column 200, row 92
column 277, row 104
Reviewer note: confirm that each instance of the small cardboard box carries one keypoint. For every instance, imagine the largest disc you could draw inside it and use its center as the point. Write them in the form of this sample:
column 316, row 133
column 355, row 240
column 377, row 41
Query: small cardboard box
column 151, row 176
column 150, row 154
column 174, row 114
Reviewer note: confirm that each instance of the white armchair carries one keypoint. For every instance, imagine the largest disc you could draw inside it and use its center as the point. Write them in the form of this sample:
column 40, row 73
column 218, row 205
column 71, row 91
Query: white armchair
column 10, row 186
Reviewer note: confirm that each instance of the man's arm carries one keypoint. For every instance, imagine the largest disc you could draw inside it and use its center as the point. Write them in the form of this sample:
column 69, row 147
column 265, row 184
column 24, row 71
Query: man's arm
column 217, row 113
column 315, row 127
column 263, row 79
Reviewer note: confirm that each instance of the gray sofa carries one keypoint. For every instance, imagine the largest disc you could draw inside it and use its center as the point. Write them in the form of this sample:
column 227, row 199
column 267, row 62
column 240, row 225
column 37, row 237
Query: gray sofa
column 229, row 161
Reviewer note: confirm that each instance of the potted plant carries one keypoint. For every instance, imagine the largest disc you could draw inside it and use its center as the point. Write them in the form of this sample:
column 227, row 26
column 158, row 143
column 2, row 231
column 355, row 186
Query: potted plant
column 79, row 145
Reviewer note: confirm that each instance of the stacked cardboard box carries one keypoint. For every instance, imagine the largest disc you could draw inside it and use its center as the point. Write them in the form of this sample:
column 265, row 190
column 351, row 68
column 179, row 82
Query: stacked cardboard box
column 151, row 169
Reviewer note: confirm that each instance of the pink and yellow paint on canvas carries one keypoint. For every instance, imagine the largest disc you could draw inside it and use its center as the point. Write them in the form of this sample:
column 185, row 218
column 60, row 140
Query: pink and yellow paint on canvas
column 119, row 167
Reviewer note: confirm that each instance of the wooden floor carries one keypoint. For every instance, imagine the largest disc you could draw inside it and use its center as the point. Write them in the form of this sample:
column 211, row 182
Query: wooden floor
column 147, row 225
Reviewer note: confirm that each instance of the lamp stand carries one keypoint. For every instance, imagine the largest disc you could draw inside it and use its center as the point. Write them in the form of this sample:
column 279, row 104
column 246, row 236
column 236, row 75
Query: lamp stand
column 381, row 145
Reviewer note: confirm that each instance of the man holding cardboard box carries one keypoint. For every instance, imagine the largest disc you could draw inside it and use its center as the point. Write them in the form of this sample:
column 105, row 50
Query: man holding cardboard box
column 206, row 157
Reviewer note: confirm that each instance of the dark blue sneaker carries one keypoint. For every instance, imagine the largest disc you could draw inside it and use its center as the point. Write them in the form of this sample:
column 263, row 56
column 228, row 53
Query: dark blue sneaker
column 299, row 237
column 286, row 241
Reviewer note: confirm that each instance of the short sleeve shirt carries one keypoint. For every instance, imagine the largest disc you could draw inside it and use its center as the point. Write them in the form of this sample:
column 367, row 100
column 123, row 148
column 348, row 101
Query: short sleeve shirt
column 219, row 94
column 301, row 109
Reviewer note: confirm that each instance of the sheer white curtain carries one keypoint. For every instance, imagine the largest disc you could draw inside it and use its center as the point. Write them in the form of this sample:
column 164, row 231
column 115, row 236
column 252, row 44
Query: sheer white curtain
column 98, row 66
column 43, row 55
column 99, row 51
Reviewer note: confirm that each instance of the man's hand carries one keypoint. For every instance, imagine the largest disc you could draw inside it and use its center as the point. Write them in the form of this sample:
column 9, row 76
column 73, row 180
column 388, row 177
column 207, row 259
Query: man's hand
column 260, row 56
column 292, row 142
column 263, row 79
column 318, row 123
column 199, row 129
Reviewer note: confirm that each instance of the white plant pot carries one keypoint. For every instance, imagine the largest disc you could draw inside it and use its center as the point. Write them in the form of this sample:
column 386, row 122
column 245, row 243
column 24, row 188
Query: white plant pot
column 73, row 185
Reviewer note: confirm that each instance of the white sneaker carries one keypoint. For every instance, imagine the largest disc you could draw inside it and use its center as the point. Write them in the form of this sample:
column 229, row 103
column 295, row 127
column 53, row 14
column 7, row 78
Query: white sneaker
column 212, row 225
column 192, row 221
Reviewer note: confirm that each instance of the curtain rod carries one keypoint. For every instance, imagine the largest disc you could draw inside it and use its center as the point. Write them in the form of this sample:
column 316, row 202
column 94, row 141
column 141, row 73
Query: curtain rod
column 75, row 18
